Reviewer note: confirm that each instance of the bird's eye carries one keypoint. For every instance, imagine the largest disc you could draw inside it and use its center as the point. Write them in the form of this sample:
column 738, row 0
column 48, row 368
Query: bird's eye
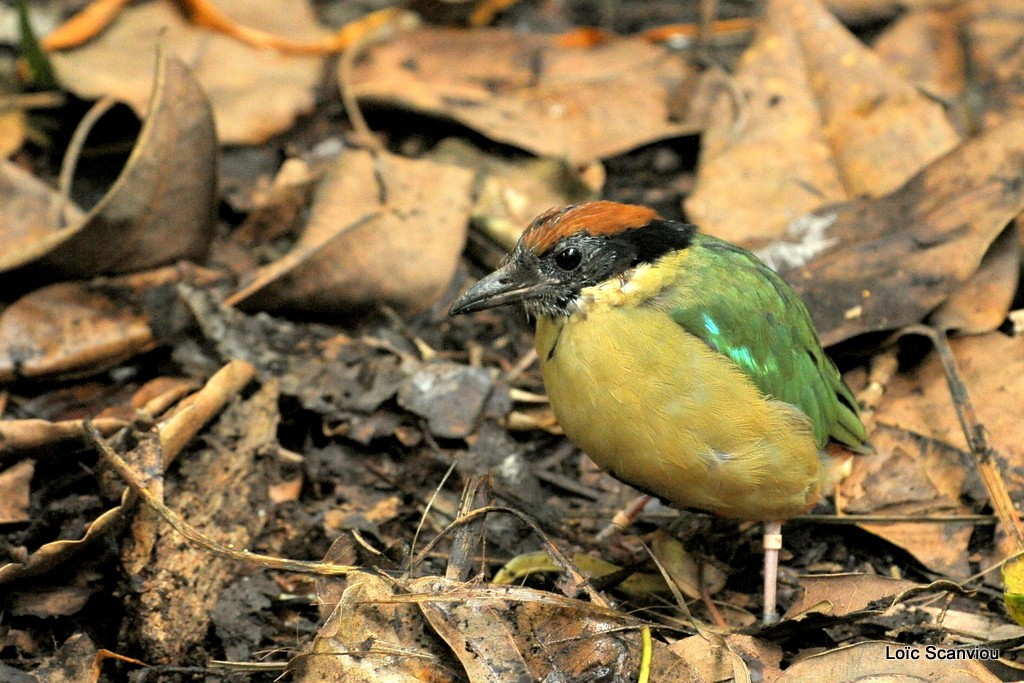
column 569, row 258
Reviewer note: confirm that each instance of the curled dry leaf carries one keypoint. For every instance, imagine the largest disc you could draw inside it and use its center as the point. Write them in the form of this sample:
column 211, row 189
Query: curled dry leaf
column 578, row 103
column 982, row 303
column 383, row 229
column 839, row 595
column 68, row 329
column 254, row 93
column 829, row 119
column 76, row 328
column 905, row 253
column 160, row 209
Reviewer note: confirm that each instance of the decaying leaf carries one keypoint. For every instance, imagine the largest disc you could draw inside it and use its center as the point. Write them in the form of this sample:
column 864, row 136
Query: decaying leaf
column 578, row 103
column 914, row 476
column 75, row 328
column 820, row 118
column 254, row 93
column 903, row 254
column 370, row 637
column 66, row 329
column 15, row 482
column 160, row 209
column 925, row 47
column 383, row 229
column 175, row 585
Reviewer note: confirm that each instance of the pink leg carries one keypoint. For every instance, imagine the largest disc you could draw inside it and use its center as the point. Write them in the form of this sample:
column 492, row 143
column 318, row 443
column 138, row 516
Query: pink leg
column 624, row 518
column 772, row 545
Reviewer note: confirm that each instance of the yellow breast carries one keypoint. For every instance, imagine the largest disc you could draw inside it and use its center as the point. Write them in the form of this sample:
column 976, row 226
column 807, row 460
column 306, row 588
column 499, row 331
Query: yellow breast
column 662, row 411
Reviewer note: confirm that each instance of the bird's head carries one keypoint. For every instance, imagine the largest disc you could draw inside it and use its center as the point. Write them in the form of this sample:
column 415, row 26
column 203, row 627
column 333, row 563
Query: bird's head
column 569, row 248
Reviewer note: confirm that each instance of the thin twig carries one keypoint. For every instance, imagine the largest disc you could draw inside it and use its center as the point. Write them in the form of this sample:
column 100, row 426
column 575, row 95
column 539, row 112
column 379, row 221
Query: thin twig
column 135, row 483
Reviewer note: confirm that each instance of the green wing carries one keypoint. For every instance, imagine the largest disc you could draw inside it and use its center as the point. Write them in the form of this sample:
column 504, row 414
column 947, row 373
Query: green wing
column 745, row 311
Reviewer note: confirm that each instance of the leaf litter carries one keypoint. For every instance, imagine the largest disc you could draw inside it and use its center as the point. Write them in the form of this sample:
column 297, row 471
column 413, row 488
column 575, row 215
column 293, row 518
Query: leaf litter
column 344, row 411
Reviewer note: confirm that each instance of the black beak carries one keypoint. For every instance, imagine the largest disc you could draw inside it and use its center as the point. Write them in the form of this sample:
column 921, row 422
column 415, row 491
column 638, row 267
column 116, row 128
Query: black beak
column 510, row 284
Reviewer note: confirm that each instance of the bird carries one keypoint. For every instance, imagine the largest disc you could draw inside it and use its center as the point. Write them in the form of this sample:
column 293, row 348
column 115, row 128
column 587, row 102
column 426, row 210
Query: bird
column 681, row 364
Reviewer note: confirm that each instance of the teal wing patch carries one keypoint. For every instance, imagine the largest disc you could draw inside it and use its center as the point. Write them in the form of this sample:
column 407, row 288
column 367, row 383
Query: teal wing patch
column 745, row 311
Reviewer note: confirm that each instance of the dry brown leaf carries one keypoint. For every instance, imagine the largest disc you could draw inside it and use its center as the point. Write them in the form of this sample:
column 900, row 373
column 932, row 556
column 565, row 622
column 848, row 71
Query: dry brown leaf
column 15, row 492
column 511, row 633
column 732, row 658
column 76, row 328
column 877, row 661
column 578, row 103
column 993, row 37
column 905, row 253
column 991, row 366
column 370, row 638
column 159, row 210
column 821, row 118
column 764, row 159
column 913, row 476
column 838, row 595
column 28, row 215
column 383, row 229
column 254, row 93
column 982, row 303
column 69, row 329
column 925, row 47
column 12, row 131
column 692, row 577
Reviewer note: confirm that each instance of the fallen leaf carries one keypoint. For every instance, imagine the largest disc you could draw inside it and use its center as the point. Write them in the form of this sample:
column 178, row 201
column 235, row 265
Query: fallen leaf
column 903, row 254
column 839, row 595
column 254, row 93
column 818, row 118
column 925, row 47
column 734, row 657
column 369, row 637
column 167, row 189
column 914, row 476
column 69, row 329
column 982, row 303
column 80, row 328
column 15, row 492
column 578, row 103
column 992, row 37
column 382, row 229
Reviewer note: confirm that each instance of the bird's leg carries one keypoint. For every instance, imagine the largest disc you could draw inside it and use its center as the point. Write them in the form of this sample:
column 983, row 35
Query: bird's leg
column 625, row 517
column 772, row 545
